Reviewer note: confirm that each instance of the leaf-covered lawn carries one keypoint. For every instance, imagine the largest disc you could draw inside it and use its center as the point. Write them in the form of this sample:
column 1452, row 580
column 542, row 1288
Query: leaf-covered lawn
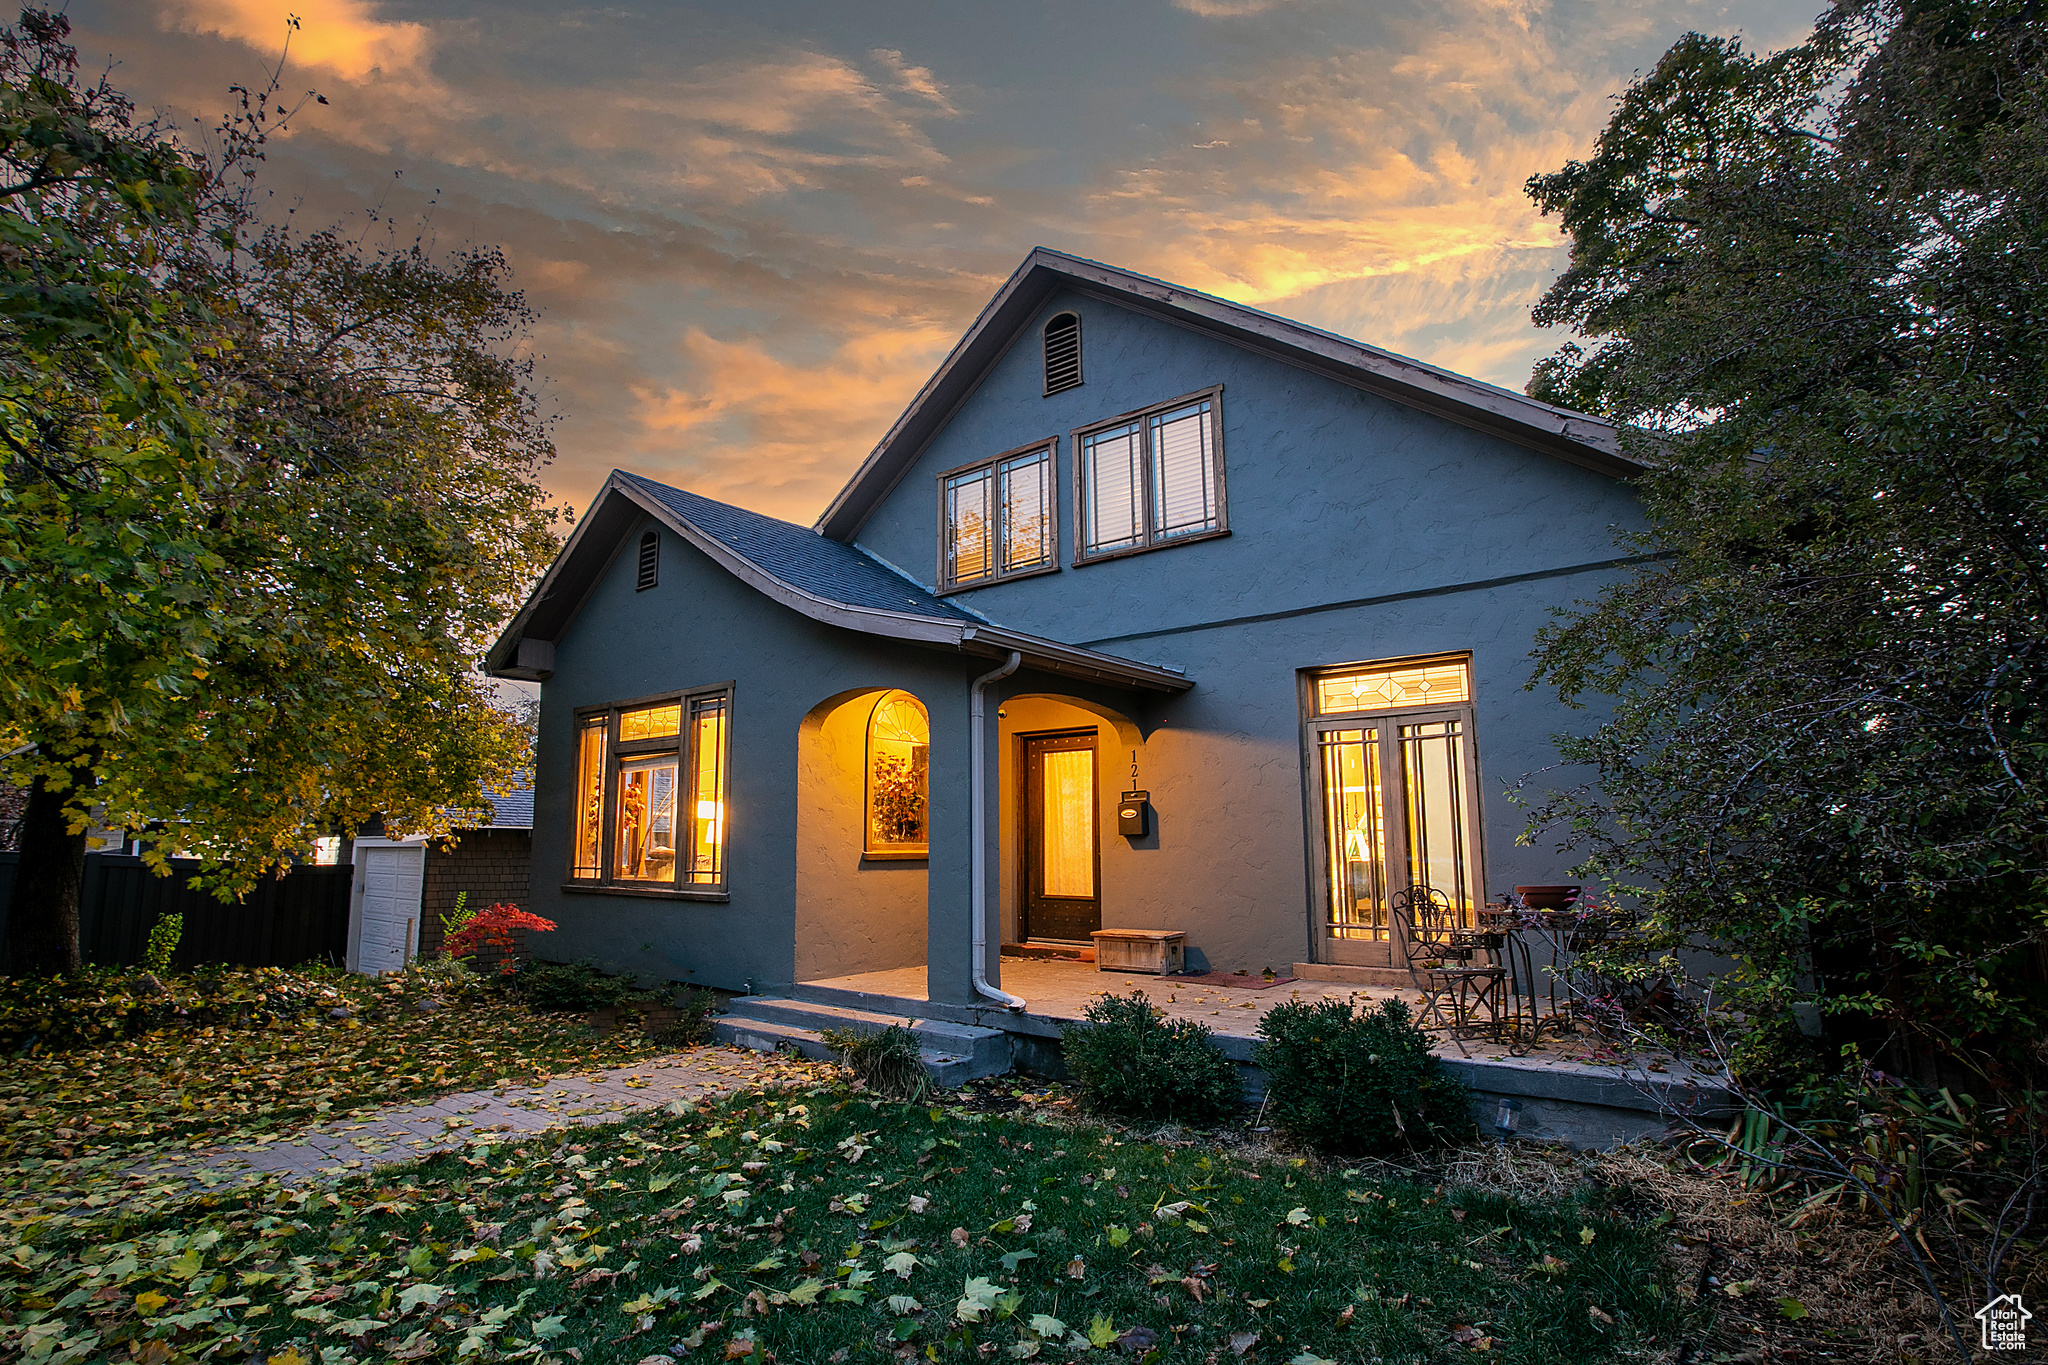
column 821, row 1227
column 71, row 1118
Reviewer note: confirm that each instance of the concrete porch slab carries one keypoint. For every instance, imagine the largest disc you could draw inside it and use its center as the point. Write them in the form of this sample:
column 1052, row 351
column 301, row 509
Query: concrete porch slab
column 1565, row 1096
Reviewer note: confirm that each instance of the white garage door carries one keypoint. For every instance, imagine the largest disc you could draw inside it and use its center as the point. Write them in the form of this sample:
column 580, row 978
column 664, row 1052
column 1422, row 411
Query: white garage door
column 390, row 907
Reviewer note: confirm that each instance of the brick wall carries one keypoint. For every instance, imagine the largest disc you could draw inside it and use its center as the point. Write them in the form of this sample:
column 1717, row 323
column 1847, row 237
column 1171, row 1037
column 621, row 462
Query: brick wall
column 490, row 864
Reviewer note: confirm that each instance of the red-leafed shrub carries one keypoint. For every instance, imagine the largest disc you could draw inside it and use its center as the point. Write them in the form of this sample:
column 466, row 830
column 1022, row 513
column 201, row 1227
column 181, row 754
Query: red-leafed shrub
column 493, row 928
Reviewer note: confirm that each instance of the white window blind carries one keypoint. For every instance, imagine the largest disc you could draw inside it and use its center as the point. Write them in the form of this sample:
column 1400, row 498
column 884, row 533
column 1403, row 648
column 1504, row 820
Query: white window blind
column 1112, row 473
column 1026, row 490
column 1152, row 481
column 1183, row 472
column 970, row 510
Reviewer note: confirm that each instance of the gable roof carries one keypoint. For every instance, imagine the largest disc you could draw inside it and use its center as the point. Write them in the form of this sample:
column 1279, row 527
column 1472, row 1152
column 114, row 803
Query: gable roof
column 798, row 556
column 1568, row 435
column 826, row 580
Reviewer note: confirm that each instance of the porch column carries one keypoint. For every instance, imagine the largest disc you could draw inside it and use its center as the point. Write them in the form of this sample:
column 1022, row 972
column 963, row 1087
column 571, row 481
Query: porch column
column 950, row 929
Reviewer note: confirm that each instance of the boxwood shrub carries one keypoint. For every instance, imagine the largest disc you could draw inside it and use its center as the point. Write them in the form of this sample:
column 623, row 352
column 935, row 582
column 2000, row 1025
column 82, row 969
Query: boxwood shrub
column 1358, row 1082
column 1129, row 1059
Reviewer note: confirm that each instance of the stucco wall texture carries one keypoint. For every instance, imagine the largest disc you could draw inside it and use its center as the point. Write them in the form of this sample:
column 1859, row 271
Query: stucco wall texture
column 1334, row 495
column 853, row 914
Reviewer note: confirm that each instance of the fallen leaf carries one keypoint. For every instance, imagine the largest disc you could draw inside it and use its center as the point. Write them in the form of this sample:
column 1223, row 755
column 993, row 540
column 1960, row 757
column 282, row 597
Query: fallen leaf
column 1077, row 1269
column 1137, row 1340
column 1242, row 1342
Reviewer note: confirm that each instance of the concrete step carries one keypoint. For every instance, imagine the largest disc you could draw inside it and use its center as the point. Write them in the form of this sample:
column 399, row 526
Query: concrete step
column 953, row 1053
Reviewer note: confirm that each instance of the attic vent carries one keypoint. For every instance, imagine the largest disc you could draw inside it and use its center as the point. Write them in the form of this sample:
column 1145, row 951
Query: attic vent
column 650, row 561
column 1062, row 354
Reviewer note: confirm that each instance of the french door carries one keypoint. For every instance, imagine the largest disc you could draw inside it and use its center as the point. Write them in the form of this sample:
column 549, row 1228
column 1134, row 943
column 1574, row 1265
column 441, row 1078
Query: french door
column 1395, row 793
column 1062, row 872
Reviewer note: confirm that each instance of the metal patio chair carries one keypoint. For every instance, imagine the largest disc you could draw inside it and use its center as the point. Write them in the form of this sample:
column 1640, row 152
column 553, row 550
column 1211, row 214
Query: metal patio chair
column 1461, row 994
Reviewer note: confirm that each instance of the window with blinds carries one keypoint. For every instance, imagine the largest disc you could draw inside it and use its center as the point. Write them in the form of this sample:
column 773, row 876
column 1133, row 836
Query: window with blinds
column 1152, row 479
column 996, row 519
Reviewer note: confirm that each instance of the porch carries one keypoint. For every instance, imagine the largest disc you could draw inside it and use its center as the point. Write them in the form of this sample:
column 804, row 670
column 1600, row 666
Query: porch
column 1564, row 1095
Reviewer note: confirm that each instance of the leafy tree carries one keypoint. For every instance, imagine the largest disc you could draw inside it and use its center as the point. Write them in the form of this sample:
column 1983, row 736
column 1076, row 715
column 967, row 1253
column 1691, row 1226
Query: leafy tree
column 1815, row 284
column 266, row 495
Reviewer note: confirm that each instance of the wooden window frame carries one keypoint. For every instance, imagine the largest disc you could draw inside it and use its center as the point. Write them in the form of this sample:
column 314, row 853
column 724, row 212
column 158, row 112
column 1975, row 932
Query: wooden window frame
column 617, row 751
column 1050, row 445
column 1387, row 722
column 1142, row 418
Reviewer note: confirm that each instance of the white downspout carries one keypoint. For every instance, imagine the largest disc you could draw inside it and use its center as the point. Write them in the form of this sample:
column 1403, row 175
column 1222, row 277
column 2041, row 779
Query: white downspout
column 977, row 804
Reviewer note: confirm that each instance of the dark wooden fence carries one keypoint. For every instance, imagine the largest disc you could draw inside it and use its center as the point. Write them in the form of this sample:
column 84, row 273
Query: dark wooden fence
column 299, row 917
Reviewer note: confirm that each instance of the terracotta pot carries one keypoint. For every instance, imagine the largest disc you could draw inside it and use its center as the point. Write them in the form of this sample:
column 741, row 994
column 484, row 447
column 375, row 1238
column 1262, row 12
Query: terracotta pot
column 1548, row 897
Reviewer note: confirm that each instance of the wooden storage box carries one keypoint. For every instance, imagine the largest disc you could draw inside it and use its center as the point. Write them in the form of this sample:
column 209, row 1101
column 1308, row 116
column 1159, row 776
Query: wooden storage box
column 1162, row 952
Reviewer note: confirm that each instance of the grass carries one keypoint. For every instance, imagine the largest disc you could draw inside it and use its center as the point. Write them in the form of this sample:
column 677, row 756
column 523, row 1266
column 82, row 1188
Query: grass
column 820, row 1226
column 71, row 1119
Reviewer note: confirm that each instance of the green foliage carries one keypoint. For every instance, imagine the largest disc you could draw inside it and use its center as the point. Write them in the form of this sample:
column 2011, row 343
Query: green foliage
column 1130, row 1059
column 1358, row 1081
column 889, row 1061
column 573, row 986
column 163, row 941
column 40, row 1014
column 265, row 495
column 452, row 922
column 1066, row 1235
column 1813, row 283
column 692, row 1027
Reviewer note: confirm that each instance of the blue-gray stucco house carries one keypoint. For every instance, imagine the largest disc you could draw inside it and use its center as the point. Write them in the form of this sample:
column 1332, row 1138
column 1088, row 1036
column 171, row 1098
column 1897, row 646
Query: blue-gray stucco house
column 1128, row 538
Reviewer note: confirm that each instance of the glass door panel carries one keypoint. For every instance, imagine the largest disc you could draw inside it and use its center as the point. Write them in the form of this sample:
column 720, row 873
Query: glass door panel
column 1354, row 834
column 1067, row 842
column 1433, row 769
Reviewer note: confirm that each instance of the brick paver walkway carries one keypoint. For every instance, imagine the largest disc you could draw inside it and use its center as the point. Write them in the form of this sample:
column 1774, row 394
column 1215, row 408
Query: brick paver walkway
column 364, row 1141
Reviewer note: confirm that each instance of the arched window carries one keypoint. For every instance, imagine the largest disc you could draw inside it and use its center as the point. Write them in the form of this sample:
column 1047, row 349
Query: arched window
column 1062, row 354
column 898, row 759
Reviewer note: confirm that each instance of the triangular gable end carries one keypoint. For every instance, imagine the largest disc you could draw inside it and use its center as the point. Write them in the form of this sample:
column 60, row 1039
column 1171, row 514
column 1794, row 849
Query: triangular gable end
column 1558, row 432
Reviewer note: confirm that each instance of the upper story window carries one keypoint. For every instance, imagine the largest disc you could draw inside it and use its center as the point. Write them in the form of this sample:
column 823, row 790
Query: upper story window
column 650, row 793
column 1151, row 478
column 1062, row 354
column 996, row 519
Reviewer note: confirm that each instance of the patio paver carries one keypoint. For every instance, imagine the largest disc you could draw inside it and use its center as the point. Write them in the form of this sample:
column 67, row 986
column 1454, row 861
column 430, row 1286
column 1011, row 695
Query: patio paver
column 361, row 1142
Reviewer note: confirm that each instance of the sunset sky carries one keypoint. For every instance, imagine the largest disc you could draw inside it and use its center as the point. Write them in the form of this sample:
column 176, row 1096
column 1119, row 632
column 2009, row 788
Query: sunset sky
column 753, row 229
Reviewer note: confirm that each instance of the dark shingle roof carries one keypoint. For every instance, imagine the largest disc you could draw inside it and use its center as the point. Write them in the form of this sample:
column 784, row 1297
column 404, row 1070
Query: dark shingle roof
column 514, row 809
column 801, row 557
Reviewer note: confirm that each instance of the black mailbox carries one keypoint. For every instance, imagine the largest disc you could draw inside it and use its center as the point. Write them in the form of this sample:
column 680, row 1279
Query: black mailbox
column 1133, row 810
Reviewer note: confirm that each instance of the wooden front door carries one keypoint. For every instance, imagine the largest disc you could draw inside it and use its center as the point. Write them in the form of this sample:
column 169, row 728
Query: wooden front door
column 1062, row 873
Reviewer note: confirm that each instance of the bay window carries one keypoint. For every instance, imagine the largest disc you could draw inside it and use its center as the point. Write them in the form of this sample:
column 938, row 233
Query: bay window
column 650, row 794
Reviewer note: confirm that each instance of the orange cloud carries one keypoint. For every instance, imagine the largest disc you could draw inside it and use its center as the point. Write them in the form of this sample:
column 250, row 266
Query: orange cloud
column 345, row 36
column 775, row 434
